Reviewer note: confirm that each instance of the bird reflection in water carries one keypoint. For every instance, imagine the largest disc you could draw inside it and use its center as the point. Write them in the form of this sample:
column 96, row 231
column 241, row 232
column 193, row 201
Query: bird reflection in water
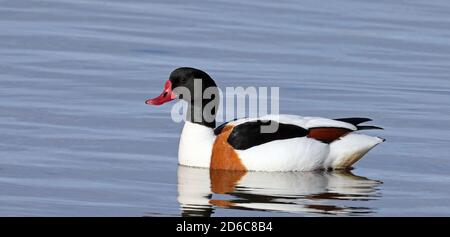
column 202, row 191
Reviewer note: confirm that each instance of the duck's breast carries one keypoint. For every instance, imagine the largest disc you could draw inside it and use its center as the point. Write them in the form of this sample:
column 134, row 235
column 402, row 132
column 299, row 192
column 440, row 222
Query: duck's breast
column 195, row 146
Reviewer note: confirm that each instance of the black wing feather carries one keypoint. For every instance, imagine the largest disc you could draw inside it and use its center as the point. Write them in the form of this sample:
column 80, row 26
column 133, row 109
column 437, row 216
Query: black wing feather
column 368, row 127
column 249, row 134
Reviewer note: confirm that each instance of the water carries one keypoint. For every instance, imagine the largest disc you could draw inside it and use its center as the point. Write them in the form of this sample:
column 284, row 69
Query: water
column 76, row 138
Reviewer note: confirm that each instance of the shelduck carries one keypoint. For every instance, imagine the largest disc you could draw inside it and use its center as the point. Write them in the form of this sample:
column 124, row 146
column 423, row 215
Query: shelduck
column 299, row 143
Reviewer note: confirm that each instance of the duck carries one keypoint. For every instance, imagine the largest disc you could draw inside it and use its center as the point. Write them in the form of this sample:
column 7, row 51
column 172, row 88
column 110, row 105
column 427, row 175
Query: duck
column 297, row 144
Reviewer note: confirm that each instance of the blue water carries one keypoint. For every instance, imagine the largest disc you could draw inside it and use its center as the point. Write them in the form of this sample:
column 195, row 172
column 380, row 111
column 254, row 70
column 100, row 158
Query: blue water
column 76, row 138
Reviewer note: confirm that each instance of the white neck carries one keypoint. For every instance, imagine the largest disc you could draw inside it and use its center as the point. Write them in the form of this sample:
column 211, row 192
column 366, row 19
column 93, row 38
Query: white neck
column 196, row 144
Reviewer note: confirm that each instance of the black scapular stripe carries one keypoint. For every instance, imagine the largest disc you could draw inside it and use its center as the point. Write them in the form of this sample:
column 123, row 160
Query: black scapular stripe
column 249, row 134
column 355, row 121
column 368, row 127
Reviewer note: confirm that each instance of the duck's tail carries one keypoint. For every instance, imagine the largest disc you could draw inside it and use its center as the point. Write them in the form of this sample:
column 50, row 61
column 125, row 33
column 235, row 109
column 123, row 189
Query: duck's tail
column 349, row 149
column 356, row 121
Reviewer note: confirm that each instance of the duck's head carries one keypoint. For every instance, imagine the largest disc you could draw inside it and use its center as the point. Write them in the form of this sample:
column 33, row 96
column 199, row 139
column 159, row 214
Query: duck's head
column 193, row 86
column 181, row 80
